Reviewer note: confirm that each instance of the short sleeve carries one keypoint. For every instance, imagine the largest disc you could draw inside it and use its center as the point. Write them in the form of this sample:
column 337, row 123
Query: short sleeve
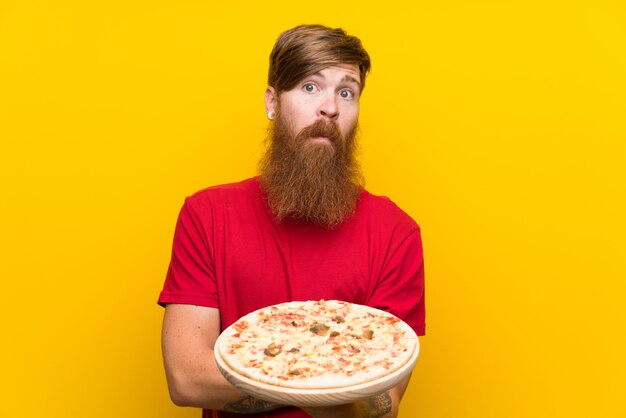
column 400, row 289
column 191, row 274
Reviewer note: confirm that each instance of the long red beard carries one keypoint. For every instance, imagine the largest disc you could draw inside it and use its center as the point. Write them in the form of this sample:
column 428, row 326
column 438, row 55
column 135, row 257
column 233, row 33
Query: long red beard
column 310, row 181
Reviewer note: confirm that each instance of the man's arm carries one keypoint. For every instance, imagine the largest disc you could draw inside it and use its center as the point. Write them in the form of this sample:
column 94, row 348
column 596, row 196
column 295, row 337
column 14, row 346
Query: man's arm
column 385, row 405
column 189, row 335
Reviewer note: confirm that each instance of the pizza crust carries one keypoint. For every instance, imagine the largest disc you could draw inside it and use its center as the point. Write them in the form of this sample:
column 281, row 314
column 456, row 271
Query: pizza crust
column 317, row 344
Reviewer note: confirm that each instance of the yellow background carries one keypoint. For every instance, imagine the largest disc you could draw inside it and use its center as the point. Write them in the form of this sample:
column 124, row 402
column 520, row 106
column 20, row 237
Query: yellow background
column 498, row 125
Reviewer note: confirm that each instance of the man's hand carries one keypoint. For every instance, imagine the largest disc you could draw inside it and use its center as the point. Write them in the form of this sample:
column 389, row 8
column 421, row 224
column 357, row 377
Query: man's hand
column 377, row 406
column 250, row 405
column 384, row 405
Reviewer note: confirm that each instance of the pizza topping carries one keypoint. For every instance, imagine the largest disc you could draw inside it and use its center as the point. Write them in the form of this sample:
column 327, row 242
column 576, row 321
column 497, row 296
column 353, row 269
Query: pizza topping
column 298, row 372
column 354, row 349
column 272, row 350
column 319, row 329
column 240, row 326
column 368, row 334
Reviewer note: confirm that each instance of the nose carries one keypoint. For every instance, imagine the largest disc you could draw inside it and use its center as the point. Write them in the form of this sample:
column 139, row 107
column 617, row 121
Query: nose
column 328, row 107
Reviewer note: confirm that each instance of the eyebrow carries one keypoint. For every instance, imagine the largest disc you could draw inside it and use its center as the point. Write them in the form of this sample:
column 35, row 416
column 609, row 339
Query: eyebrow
column 346, row 78
column 349, row 78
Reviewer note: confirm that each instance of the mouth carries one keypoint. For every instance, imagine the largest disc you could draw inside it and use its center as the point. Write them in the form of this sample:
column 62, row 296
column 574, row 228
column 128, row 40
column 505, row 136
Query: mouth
column 320, row 140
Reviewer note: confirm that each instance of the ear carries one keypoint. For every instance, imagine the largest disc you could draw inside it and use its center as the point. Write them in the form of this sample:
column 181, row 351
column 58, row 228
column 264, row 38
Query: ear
column 271, row 101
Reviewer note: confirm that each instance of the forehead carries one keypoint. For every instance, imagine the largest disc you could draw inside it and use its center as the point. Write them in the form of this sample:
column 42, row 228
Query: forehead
column 339, row 72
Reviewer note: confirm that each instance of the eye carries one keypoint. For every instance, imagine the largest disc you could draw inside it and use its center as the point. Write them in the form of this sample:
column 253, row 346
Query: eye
column 309, row 87
column 346, row 94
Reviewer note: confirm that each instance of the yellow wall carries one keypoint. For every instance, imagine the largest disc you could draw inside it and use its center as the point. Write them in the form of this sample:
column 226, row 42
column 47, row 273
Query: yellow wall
column 499, row 125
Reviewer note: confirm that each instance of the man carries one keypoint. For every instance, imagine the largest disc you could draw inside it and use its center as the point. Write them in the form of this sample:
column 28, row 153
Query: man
column 304, row 229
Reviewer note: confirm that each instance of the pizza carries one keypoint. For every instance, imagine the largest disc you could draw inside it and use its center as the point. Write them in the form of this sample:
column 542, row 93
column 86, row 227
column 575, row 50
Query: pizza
column 316, row 344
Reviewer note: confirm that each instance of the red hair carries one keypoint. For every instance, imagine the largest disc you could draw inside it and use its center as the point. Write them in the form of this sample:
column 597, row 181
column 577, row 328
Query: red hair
column 307, row 49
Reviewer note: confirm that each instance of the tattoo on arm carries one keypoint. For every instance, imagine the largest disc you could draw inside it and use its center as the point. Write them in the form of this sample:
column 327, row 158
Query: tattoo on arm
column 376, row 406
column 250, row 405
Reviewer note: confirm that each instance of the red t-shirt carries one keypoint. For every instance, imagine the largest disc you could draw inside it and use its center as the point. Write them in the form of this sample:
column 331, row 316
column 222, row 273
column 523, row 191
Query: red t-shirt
column 229, row 253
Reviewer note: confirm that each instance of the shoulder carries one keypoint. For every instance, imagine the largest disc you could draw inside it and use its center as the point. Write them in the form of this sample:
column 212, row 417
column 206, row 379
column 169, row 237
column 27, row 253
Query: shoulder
column 244, row 190
column 381, row 209
column 218, row 202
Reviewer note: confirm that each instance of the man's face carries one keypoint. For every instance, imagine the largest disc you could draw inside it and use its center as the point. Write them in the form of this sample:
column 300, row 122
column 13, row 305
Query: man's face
column 310, row 172
column 330, row 95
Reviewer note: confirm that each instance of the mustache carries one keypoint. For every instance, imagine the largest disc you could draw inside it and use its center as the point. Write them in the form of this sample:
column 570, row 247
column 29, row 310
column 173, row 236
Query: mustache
column 321, row 128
